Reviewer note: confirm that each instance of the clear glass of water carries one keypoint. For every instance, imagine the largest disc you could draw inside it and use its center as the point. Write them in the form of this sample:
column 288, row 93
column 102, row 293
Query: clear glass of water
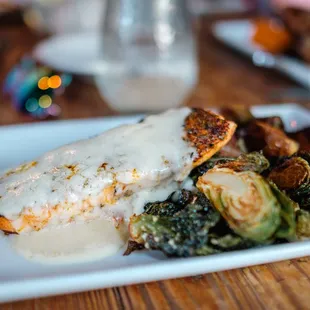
column 149, row 60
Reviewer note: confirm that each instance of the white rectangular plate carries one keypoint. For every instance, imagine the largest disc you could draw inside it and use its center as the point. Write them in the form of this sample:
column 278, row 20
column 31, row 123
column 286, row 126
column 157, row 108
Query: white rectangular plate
column 21, row 279
column 238, row 33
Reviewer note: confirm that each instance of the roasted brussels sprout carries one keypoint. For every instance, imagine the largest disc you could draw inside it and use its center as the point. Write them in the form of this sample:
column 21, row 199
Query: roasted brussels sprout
column 252, row 207
column 254, row 161
column 273, row 141
column 303, row 224
column 293, row 176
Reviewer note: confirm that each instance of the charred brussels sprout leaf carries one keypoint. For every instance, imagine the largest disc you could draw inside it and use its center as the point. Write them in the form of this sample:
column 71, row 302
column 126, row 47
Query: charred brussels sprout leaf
column 251, row 206
column 133, row 246
column 254, row 161
column 161, row 208
column 293, row 176
column 179, row 235
column 175, row 202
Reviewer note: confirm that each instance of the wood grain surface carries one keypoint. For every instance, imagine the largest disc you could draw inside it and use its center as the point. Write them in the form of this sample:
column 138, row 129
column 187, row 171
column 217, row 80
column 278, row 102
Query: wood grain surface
column 226, row 78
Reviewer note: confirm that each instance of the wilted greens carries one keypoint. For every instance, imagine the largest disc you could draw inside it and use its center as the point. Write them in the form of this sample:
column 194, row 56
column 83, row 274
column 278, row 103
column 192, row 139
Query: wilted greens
column 187, row 229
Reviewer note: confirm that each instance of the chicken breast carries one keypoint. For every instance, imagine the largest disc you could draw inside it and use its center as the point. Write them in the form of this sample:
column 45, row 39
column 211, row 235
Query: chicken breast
column 112, row 175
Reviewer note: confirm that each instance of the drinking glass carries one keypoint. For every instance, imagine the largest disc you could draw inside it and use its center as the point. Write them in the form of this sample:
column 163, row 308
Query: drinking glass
column 149, row 60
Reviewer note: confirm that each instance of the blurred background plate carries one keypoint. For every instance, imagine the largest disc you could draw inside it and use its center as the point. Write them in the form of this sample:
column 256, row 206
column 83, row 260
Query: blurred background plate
column 238, row 33
column 74, row 53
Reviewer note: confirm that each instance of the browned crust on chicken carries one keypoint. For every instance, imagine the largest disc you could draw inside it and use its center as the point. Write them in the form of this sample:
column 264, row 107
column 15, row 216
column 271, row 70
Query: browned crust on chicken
column 208, row 133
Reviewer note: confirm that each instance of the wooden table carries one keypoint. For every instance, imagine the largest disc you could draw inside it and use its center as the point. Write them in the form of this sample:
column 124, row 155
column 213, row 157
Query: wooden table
column 226, row 78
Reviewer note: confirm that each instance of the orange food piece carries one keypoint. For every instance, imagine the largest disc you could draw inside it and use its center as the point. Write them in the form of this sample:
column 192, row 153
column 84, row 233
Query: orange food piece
column 271, row 35
column 6, row 225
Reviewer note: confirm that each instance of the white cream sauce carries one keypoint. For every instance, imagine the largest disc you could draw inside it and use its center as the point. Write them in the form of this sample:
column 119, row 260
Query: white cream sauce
column 83, row 242
column 74, row 243
column 145, row 162
column 147, row 157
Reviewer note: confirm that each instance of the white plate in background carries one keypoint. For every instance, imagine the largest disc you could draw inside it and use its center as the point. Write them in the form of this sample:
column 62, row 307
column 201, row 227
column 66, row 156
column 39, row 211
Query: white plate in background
column 238, row 33
column 22, row 279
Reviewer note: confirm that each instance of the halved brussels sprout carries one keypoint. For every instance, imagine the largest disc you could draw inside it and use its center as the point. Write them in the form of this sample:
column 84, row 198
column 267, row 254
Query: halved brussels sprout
column 250, row 205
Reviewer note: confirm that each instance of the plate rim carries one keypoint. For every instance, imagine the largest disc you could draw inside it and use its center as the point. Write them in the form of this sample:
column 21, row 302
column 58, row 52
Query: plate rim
column 160, row 270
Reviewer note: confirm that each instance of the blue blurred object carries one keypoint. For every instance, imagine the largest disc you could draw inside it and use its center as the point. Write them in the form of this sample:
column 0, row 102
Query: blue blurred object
column 33, row 88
